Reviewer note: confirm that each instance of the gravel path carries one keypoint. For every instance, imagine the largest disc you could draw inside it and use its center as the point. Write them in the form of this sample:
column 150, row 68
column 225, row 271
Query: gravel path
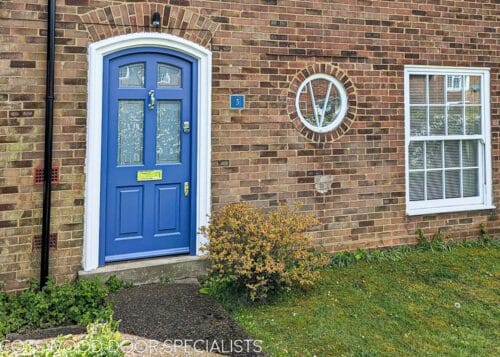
column 178, row 313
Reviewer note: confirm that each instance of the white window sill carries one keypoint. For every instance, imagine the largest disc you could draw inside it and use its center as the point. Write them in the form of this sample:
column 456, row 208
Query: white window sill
column 449, row 209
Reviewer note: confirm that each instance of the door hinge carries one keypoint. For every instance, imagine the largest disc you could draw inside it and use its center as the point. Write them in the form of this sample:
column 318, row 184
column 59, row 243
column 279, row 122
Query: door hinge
column 186, row 188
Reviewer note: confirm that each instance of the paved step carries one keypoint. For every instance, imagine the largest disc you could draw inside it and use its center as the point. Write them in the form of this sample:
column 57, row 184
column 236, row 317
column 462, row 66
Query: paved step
column 146, row 271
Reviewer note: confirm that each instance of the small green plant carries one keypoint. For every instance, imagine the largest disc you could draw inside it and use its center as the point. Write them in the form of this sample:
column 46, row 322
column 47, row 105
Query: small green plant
column 115, row 284
column 166, row 279
column 102, row 339
column 81, row 302
column 258, row 254
column 484, row 236
column 436, row 243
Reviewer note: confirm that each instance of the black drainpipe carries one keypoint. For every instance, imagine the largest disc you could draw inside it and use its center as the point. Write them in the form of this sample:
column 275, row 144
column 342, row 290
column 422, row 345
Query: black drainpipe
column 47, row 159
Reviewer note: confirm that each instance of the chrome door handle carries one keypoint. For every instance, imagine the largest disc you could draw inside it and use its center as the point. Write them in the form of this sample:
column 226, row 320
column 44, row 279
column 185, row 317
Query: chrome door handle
column 152, row 99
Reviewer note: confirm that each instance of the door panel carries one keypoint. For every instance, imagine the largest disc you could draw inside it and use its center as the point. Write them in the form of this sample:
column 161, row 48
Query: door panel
column 148, row 103
column 168, row 201
column 129, row 212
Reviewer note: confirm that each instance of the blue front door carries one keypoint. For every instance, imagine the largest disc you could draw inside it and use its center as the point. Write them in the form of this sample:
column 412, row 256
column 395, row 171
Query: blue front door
column 148, row 155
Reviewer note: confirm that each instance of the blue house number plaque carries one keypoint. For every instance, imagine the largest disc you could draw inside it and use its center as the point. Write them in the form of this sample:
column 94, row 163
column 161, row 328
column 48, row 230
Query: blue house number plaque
column 237, row 102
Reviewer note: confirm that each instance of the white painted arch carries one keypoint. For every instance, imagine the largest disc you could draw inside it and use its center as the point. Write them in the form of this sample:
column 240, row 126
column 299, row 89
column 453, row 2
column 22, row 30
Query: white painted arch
column 96, row 53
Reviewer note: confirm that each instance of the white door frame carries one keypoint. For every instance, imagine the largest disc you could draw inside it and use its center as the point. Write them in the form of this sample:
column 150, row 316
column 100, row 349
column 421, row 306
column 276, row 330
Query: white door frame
column 96, row 53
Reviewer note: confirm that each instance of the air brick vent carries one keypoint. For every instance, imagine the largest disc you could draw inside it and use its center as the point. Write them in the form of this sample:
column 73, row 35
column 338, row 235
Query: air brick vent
column 37, row 242
column 38, row 175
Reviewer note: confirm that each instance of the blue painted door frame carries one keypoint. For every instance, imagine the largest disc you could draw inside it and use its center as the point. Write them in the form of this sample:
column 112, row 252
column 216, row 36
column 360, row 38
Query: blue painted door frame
column 141, row 219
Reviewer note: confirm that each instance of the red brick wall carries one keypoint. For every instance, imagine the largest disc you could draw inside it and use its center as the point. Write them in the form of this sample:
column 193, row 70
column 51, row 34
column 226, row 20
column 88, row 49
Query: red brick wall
column 259, row 47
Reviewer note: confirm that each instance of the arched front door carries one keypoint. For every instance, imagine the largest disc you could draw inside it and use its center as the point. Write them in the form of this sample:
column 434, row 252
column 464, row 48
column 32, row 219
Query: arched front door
column 148, row 154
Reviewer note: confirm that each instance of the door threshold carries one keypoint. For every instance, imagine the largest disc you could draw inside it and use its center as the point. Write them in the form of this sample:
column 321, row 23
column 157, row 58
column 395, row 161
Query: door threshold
column 151, row 270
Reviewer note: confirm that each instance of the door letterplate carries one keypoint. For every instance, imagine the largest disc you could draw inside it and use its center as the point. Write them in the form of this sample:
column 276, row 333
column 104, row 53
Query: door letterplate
column 186, row 188
column 149, row 175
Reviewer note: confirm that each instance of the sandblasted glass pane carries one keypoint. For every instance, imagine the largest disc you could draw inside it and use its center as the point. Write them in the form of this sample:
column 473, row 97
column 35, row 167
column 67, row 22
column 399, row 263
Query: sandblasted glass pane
column 130, row 132
column 437, row 120
column 472, row 120
column 435, row 185
column 452, row 153
column 168, row 132
column 417, row 186
column 416, row 155
column 168, row 76
column 471, row 183
column 455, row 120
column 469, row 153
column 452, row 178
column 418, row 121
column 132, row 76
column 436, row 89
column 434, row 154
column 473, row 90
column 418, row 89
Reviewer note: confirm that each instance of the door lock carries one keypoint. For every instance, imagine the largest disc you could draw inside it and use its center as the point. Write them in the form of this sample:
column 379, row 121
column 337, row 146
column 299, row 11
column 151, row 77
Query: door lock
column 186, row 127
column 186, row 188
column 152, row 99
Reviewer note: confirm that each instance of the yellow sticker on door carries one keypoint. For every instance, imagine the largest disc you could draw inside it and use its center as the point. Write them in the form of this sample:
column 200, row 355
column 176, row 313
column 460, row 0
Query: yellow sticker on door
column 149, row 175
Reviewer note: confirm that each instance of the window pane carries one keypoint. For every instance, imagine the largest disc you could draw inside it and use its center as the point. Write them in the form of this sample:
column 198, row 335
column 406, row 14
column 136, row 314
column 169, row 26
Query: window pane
column 436, row 89
column 132, row 76
column 452, row 153
column 435, row 185
column 437, row 121
column 306, row 106
column 417, row 186
column 130, row 132
column 455, row 120
column 473, row 90
column 471, row 183
column 332, row 108
column 473, row 120
column 416, row 153
column 168, row 132
column 452, row 178
column 168, row 76
column 454, row 89
column 418, row 121
column 434, row 155
column 418, row 89
column 469, row 153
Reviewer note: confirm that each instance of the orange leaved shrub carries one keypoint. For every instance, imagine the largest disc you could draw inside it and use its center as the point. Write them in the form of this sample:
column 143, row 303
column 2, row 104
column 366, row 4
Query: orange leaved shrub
column 262, row 253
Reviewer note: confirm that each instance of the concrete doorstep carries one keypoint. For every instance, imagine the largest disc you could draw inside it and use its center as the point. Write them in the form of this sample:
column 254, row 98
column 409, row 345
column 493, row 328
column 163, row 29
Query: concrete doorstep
column 146, row 271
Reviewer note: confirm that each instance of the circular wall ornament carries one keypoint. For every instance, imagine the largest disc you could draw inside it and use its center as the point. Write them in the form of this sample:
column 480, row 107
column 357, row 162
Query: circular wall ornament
column 321, row 102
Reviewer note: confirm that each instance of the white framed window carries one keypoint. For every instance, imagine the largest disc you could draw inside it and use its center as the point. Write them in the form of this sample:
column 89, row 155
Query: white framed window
column 321, row 102
column 447, row 139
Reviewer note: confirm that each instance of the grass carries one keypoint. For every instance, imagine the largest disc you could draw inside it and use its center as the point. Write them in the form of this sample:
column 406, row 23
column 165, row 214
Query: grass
column 437, row 303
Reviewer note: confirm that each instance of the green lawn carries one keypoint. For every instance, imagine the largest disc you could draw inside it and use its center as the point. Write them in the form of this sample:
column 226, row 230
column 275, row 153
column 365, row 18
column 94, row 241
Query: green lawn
column 431, row 303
